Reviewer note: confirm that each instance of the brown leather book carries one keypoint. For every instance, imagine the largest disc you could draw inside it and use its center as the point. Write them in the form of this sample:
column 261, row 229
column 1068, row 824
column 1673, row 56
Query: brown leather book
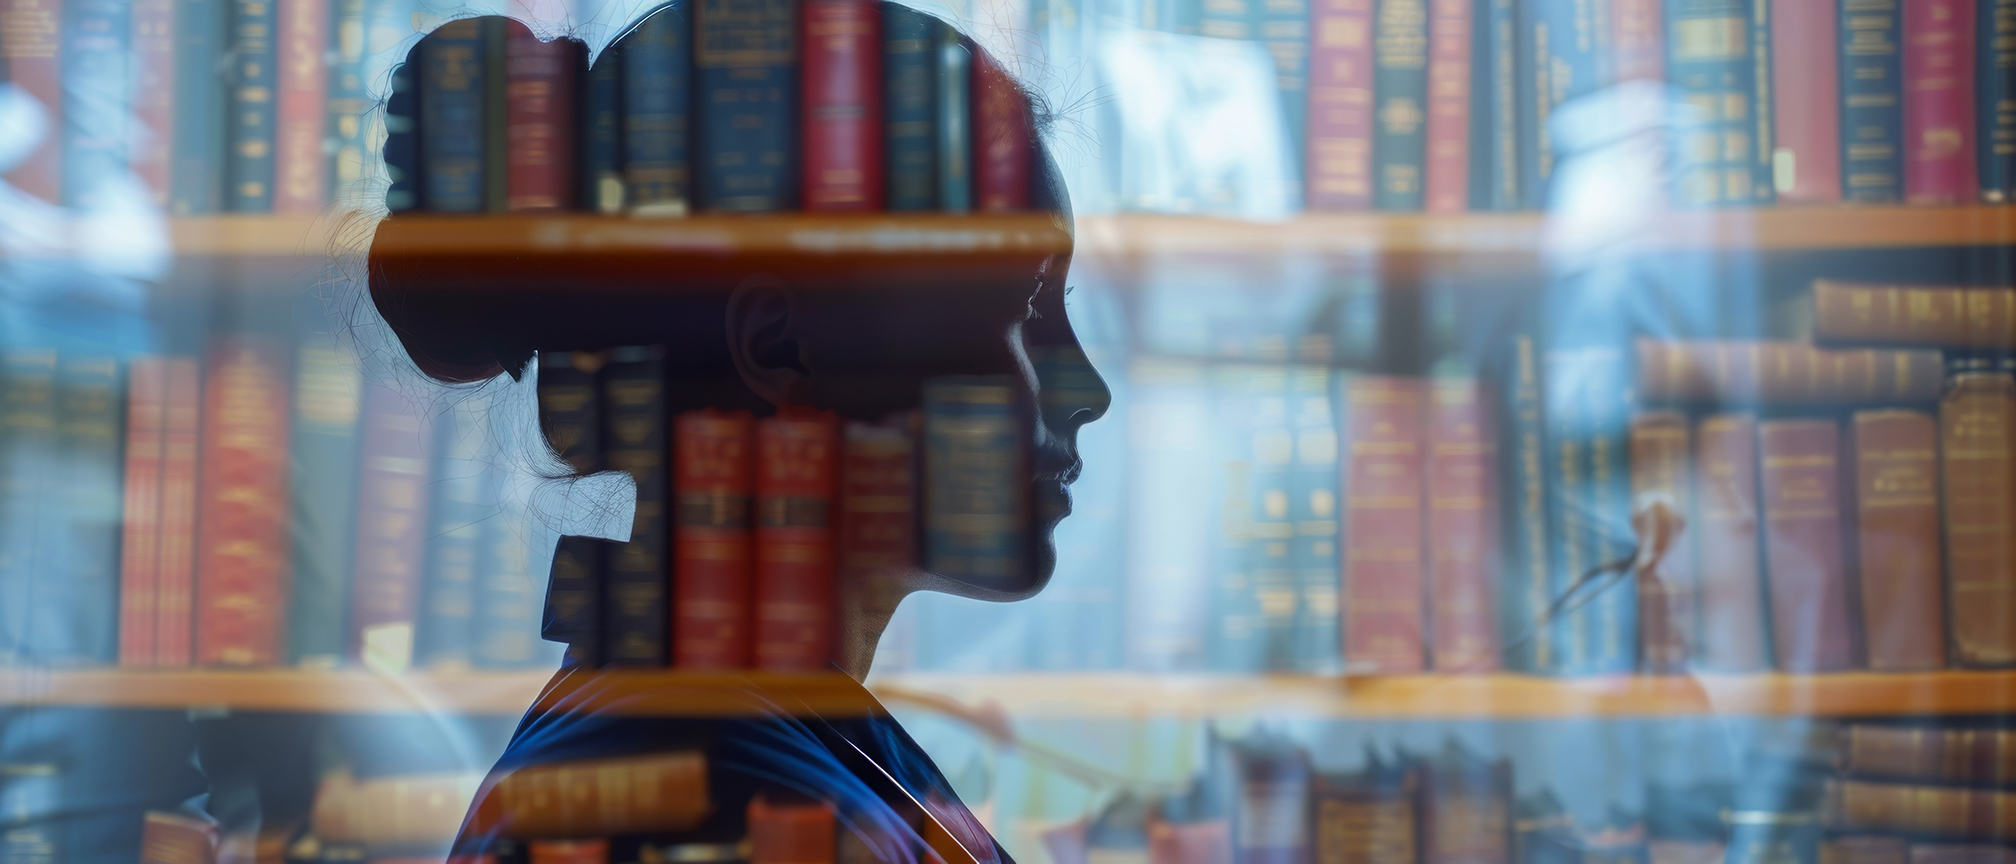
column 1661, row 446
column 784, row 831
column 1732, row 586
column 1803, row 553
column 1864, row 849
column 1946, row 812
column 172, row 838
column 1896, row 489
column 595, row 797
column 1365, row 819
column 1940, row 316
column 400, row 811
column 1961, row 853
column 1783, row 373
column 1967, row 757
column 1975, row 422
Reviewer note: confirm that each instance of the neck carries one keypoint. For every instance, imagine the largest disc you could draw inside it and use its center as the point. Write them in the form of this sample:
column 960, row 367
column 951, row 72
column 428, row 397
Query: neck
column 866, row 603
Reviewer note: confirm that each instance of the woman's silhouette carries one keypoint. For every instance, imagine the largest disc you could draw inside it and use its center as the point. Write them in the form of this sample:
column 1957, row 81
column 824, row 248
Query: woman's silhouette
column 759, row 340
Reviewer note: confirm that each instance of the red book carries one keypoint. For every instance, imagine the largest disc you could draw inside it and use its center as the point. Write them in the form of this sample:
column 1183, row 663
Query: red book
column 1383, row 572
column 1339, row 165
column 790, row 832
column 842, row 68
column 298, row 160
column 140, row 537
column 713, row 468
column 1002, row 139
column 1448, row 188
column 1897, row 537
column 1806, row 101
column 1463, row 519
column 30, row 40
column 1976, row 420
column 153, row 94
column 1207, row 842
column 1939, row 157
column 1732, row 586
column 241, row 541
column 391, row 532
column 1660, row 446
column 1638, row 35
column 878, row 521
column 172, row 838
column 591, row 851
column 1801, row 481
column 174, row 600
column 539, row 95
column 797, row 468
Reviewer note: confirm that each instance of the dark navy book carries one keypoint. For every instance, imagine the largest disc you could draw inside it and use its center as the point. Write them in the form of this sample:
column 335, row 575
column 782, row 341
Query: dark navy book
column 601, row 119
column 196, row 179
column 746, row 54
column 656, row 91
column 1715, row 155
column 1557, row 61
column 910, row 107
column 326, row 451
column 1995, row 95
column 451, row 116
column 252, row 121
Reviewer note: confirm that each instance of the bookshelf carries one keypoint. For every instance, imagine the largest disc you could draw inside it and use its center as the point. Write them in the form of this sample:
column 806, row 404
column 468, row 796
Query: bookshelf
column 1114, row 695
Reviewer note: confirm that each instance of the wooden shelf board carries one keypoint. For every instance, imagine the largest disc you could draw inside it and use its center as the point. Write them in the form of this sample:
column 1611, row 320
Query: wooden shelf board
column 1036, row 695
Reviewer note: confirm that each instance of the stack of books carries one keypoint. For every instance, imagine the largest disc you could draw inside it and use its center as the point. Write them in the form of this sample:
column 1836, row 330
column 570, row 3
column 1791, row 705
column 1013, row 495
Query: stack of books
column 1910, row 794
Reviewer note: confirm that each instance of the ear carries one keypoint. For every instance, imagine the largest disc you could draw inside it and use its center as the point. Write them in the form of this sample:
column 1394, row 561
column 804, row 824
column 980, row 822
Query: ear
column 763, row 339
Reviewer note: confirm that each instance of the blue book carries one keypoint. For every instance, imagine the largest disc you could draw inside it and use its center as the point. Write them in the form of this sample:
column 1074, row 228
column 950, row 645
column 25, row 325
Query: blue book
column 253, row 120
column 81, row 625
column 1872, row 101
column 1561, row 46
column 346, row 132
column 1284, row 26
column 451, row 119
column 1596, row 629
column 656, row 91
column 1714, row 154
column 1236, row 644
column 1494, row 107
column 196, row 183
column 602, row 133
column 1270, row 562
column 975, row 522
column 1315, row 508
column 325, row 456
column 636, row 619
column 508, row 591
column 1399, row 104
column 955, row 122
column 96, row 88
column 910, row 107
column 746, row 54
column 463, row 503
column 1995, row 98
column 27, row 450
column 1526, row 590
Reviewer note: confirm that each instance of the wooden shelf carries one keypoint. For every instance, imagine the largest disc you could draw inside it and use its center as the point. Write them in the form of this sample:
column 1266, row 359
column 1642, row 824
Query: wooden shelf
column 1030, row 696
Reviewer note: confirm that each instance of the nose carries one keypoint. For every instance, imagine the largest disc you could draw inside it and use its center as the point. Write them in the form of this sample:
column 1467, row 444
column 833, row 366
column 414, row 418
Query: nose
column 1073, row 393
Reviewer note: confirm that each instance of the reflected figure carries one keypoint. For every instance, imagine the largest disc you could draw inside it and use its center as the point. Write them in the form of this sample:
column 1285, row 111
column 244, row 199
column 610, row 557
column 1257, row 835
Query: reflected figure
column 765, row 341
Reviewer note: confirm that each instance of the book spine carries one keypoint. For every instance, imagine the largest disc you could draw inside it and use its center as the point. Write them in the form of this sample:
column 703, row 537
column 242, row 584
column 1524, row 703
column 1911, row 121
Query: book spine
column 1339, row 156
column 1383, row 573
column 1494, row 127
column 450, row 120
column 1234, row 640
column 1865, row 850
column 1716, row 69
column 298, row 164
column 976, row 508
column 795, row 832
column 28, row 443
column 1525, row 596
column 1955, row 757
column 1272, row 814
column 1801, row 475
column 841, row 81
column 955, row 121
column 1661, row 449
column 1639, row 40
column 1725, row 481
column 746, row 59
column 1373, row 825
column 1462, row 518
column 634, row 576
column 910, row 100
column 1563, row 47
column 140, row 542
column 1313, row 510
column 1806, row 101
column 878, row 515
column 1995, row 98
column 1946, row 317
column 601, row 113
column 656, row 93
column 1269, row 568
column 574, row 599
column 150, row 143
column 32, row 51
column 1466, row 814
column 1896, row 486
column 1784, row 373
column 327, row 388
column 507, row 611
column 1872, row 101
column 249, row 139
column 403, row 167
column 1283, row 26
column 242, row 543
column 540, row 83
column 344, row 131
column 570, row 418
column 1400, row 103
column 1450, row 40
column 493, row 36
column 96, row 91
column 655, row 793
column 392, row 501
column 1763, row 137
column 1976, row 420
column 197, row 132
column 1587, row 439
column 444, row 636
column 1925, row 811
column 713, row 481
column 1003, row 142
column 1939, row 158
column 88, row 425
column 797, row 475
column 180, row 442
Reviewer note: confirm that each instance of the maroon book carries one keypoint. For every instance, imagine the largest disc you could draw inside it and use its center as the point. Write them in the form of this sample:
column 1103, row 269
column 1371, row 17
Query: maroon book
column 1732, row 587
column 1806, row 101
column 174, row 598
column 1002, row 141
column 712, row 480
column 140, row 542
column 841, row 65
column 1448, row 186
column 797, row 468
column 539, row 96
column 153, row 60
column 1939, row 157
column 32, row 52
column 391, row 532
column 1801, row 481
column 1897, row 539
column 1638, row 32
column 1462, row 519
column 1383, row 567
column 1976, row 420
column 1339, row 169
column 241, row 540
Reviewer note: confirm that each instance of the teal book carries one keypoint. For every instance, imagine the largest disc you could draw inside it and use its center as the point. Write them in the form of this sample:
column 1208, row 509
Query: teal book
column 1872, row 100
column 1314, row 507
column 27, row 450
column 252, row 120
column 657, row 88
column 451, row 119
column 1494, row 107
column 1716, row 76
column 910, row 107
column 348, row 135
column 81, row 626
column 1283, row 25
column 1235, row 635
column 955, row 122
column 322, row 488
column 1270, row 561
column 463, row 504
column 745, row 55
column 1525, row 592
column 1399, row 104
column 601, row 119
column 1589, row 510
column 97, row 85
column 196, row 183
column 1563, row 48
column 976, row 508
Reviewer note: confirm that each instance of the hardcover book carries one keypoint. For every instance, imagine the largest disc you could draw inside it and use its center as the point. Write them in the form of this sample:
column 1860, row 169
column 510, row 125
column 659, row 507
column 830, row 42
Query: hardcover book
column 976, row 512
column 634, row 440
column 656, row 95
column 1463, row 560
column 140, row 541
column 910, row 105
column 242, row 543
column 713, row 461
column 456, row 518
column 1872, row 101
column 1784, row 373
column 955, row 121
column 175, row 601
column 1400, row 103
column 328, row 387
column 1662, row 473
column 300, row 184
column 451, row 119
column 252, row 122
column 1810, row 605
column 541, row 80
column 1976, row 419
column 1940, row 163
column 151, row 141
column 1731, row 517
column 1446, row 186
column 601, row 138
column 1384, row 573
column 1896, row 495
column 745, row 56
column 197, row 132
column 797, row 474
column 1711, row 61
column 1314, row 510
column 1003, row 142
column 841, row 71
column 1939, row 316
column 32, row 53
column 1806, row 101
column 393, row 492
column 1338, row 169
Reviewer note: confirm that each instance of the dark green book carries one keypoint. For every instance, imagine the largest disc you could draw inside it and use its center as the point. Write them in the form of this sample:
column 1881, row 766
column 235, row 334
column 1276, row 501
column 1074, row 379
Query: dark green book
column 82, row 626
column 451, row 119
column 1716, row 76
column 746, row 55
column 496, row 188
column 635, row 616
column 196, row 183
column 955, row 122
column 328, row 387
column 910, row 107
column 1399, row 104
column 252, row 121
column 657, row 88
